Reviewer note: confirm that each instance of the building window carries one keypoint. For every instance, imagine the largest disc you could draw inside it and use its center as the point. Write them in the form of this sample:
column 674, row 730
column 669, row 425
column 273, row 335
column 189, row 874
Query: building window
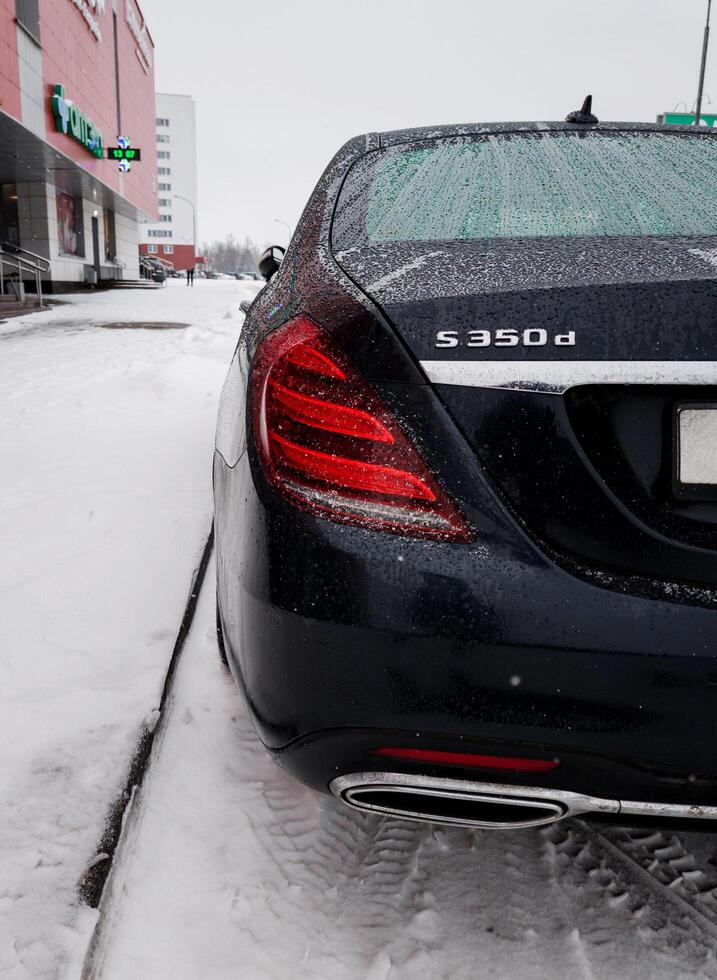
column 164, row 171
column 165, row 217
column 70, row 228
column 163, row 138
column 157, row 233
column 165, row 202
column 161, row 121
column 152, row 249
column 28, row 16
column 163, row 154
column 164, row 187
column 168, row 249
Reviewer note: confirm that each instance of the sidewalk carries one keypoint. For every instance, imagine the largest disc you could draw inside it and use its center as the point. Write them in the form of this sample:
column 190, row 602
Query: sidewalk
column 106, row 442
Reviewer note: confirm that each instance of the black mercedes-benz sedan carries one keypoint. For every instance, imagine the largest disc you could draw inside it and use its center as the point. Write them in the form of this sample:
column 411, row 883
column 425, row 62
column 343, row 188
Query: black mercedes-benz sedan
column 466, row 477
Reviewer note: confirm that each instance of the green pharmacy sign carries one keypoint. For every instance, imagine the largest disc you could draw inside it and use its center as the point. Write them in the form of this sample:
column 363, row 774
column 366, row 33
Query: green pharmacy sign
column 685, row 119
column 75, row 124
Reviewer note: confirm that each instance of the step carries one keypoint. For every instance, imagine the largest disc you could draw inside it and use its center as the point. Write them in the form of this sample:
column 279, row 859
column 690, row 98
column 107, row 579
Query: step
column 131, row 284
column 8, row 310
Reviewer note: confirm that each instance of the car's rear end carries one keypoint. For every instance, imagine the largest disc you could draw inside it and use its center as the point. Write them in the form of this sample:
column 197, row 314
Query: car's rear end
column 467, row 562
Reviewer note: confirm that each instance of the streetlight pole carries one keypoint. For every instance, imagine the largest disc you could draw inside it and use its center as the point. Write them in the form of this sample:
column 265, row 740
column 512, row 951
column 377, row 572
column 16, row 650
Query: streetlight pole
column 285, row 224
column 705, row 43
column 194, row 222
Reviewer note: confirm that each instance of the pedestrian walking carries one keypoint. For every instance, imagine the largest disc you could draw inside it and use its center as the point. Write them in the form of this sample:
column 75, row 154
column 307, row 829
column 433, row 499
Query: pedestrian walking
column 190, row 276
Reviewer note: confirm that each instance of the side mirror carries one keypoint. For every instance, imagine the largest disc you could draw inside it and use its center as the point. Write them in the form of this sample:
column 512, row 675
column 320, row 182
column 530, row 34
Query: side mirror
column 270, row 261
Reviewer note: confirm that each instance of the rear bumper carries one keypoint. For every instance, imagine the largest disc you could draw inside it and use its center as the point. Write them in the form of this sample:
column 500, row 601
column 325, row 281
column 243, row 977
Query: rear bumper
column 347, row 640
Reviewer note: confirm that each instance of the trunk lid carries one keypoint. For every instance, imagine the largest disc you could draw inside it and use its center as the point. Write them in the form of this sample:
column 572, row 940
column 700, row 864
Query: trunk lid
column 567, row 360
column 626, row 298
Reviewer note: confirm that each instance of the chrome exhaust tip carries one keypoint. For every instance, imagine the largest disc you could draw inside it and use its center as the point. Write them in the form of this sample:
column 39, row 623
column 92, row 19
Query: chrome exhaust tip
column 447, row 801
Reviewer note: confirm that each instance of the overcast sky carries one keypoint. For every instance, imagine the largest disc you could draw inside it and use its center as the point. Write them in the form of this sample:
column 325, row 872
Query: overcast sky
column 281, row 84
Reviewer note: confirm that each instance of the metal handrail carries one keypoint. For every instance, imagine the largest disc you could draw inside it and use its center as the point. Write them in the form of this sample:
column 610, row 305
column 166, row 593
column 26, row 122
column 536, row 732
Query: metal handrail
column 18, row 260
column 16, row 249
column 16, row 257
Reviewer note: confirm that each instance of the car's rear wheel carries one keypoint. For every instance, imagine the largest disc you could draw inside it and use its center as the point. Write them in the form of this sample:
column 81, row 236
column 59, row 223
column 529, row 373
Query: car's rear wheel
column 220, row 640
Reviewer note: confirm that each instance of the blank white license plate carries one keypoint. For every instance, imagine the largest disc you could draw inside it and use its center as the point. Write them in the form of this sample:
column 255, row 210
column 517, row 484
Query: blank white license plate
column 697, row 445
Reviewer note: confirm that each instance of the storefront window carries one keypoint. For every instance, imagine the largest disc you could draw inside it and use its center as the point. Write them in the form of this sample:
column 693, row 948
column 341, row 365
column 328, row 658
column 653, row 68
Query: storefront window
column 69, row 225
column 9, row 225
column 110, row 241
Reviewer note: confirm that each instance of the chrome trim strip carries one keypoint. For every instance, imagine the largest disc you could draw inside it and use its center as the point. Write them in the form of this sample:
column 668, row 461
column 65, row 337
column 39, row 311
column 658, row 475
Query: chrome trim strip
column 422, row 519
column 555, row 377
column 683, row 810
column 563, row 802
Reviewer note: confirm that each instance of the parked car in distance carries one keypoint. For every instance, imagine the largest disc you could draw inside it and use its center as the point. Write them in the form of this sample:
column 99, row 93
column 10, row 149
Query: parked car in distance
column 465, row 482
column 247, row 275
column 151, row 268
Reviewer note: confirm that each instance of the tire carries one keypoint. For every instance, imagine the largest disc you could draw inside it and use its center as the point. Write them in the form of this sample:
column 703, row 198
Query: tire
column 220, row 640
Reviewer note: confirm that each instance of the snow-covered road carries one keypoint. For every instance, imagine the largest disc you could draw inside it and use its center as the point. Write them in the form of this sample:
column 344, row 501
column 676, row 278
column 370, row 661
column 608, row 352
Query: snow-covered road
column 227, row 868
column 105, row 450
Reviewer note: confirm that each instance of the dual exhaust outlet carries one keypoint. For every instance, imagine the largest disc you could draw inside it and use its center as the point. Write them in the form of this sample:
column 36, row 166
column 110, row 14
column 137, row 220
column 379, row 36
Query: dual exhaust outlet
column 465, row 803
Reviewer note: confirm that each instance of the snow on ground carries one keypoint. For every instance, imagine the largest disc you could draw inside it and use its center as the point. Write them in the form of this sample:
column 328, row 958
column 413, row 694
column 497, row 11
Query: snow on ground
column 228, row 868
column 105, row 448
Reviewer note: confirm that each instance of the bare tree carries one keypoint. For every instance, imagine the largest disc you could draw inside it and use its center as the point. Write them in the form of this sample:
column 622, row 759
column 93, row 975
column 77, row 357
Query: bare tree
column 232, row 256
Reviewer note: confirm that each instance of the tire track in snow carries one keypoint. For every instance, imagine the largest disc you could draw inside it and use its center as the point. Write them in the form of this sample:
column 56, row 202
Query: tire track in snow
column 531, row 867
column 327, row 853
column 674, row 865
column 667, row 926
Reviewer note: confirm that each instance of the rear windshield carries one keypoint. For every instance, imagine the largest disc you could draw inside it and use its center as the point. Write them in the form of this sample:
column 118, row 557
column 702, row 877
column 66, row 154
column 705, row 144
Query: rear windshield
column 531, row 185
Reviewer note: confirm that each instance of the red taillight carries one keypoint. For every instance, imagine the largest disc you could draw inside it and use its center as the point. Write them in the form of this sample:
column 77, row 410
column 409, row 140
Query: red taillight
column 330, row 416
column 306, row 356
column 328, row 443
column 507, row 763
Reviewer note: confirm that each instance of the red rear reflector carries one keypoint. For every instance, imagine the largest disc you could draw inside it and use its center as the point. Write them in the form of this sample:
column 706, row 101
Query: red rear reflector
column 329, row 444
column 468, row 759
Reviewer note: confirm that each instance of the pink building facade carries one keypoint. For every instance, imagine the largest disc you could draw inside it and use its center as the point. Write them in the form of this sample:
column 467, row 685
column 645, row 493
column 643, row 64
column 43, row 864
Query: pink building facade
column 76, row 76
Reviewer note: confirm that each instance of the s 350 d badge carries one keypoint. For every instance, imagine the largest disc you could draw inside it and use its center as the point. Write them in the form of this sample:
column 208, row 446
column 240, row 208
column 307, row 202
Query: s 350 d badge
column 504, row 337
